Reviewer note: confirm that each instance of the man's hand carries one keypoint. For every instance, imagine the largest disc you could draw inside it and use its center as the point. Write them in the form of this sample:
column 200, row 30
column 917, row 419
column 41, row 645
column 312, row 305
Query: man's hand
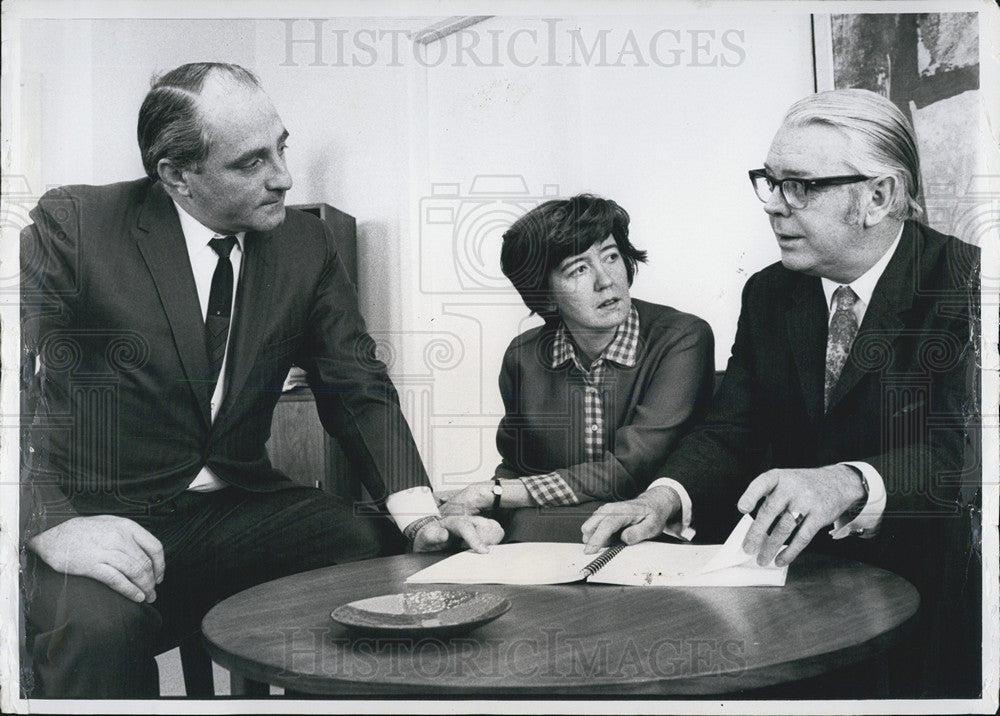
column 809, row 498
column 643, row 518
column 474, row 499
column 113, row 550
column 477, row 532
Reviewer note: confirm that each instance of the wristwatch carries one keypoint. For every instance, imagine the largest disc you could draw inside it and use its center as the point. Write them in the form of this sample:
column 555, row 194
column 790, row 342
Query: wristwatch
column 414, row 527
column 497, row 494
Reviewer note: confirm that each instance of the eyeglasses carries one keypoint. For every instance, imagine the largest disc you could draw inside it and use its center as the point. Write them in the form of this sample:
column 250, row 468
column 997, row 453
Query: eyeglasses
column 795, row 191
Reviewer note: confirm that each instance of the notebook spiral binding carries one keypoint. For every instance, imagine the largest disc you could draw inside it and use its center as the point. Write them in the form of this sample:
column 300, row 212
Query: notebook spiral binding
column 605, row 557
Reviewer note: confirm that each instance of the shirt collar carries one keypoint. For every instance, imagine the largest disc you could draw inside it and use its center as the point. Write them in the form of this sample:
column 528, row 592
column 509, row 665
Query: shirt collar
column 623, row 348
column 197, row 235
column 864, row 285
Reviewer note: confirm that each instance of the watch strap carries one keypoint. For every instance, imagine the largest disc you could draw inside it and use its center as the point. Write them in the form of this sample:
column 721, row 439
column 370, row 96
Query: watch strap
column 497, row 494
column 414, row 527
column 858, row 507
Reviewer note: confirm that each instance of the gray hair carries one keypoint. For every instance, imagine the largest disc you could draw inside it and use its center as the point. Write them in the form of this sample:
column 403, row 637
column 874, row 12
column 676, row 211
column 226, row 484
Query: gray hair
column 881, row 136
column 170, row 125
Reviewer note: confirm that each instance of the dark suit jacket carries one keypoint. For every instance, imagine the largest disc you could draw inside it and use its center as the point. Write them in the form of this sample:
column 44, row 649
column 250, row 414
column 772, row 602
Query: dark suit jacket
column 905, row 401
column 647, row 408
column 121, row 400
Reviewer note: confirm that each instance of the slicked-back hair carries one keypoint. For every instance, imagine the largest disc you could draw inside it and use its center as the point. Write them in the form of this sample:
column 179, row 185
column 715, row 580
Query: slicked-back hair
column 535, row 244
column 170, row 123
column 881, row 137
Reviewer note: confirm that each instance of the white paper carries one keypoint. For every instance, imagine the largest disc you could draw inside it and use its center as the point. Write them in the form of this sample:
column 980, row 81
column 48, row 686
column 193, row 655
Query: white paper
column 687, row 565
column 646, row 563
column 731, row 553
column 518, row 563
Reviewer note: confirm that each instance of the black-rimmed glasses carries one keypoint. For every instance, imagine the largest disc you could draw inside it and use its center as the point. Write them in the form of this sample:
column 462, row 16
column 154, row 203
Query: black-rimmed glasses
column 795, row 191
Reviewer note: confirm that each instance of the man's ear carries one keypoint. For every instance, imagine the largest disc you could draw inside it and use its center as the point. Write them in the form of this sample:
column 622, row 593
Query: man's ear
column 173, row 177
column 883, row 190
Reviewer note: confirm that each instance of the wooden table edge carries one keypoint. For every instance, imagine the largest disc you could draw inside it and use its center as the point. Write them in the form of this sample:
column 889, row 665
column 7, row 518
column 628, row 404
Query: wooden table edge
column 310, row 686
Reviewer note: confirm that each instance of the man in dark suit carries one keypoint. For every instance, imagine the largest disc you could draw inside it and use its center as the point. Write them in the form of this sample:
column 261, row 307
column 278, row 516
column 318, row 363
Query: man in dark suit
column 160, row 317
column 846, row 415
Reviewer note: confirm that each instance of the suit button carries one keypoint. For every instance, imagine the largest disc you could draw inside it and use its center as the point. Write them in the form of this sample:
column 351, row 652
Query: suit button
column 156, row 500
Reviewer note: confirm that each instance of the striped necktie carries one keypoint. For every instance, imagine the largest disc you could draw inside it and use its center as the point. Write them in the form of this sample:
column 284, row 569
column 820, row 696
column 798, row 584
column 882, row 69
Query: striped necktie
column 220, row 301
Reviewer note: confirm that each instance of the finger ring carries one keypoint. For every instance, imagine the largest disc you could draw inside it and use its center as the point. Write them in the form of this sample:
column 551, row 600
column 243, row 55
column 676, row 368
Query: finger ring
column 797, row 516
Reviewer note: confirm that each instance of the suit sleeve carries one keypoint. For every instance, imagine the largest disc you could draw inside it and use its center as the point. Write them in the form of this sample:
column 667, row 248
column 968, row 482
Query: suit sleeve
column 49, row 289
column 356, row 400
column 711, row 461
column 675, row 396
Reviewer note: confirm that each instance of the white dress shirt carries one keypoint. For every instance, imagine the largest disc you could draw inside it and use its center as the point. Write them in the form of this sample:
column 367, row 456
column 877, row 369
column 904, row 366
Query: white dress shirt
column 203, row 262
column 868, row 520
column 405, row 506
column 866, row 524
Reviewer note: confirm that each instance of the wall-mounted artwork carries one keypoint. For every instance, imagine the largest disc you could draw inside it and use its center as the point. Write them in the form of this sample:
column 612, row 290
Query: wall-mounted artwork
column 928, row 64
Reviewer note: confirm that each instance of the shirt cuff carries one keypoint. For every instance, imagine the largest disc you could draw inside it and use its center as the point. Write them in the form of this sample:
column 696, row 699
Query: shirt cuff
column 407, row 506
column 866, row 524
column 550, row 490
column 681, row 529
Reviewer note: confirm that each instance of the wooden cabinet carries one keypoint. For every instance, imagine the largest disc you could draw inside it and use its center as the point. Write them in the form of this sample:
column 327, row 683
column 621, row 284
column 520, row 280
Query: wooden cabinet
column 302, row 449
column 299, row 446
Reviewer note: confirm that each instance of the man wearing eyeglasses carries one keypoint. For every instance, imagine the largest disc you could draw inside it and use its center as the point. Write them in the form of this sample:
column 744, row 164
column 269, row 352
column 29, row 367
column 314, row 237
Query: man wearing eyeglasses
column 844, row 419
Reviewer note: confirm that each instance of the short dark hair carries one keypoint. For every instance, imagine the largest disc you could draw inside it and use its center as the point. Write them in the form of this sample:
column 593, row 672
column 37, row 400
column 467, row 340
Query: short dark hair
column 539, row 241
column 170, row 125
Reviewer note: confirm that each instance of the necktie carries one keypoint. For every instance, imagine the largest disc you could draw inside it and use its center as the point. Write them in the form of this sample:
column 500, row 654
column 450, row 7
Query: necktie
column 843, row 329
column 220, row 301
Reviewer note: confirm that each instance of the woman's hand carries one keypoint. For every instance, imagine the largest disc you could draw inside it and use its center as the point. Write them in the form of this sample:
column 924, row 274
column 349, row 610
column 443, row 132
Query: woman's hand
column 473, row 500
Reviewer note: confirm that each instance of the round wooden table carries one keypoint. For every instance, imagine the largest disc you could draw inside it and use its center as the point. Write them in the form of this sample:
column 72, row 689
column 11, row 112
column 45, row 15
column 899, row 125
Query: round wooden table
column 572, row 640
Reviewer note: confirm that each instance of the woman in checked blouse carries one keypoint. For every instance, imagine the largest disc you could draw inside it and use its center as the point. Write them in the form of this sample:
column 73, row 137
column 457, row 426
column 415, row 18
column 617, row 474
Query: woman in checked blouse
column 598, row 396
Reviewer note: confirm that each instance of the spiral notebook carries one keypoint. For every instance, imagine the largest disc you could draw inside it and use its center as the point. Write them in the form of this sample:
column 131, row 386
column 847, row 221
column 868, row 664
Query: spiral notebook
column 646, row 563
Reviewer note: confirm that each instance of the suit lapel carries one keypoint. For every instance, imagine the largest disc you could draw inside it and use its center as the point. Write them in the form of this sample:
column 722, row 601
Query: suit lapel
column 882, row 323
column 160, row 240
column 253, row 300
column 806, row 320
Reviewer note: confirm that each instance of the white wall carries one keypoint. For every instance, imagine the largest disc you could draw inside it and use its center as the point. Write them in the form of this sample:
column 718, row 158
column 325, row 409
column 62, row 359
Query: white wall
column 93, row 75
column 672, row 144
column 398, row 144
